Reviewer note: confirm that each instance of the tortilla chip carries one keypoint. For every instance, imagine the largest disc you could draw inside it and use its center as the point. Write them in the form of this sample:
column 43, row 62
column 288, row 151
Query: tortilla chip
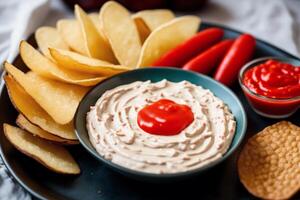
column 43, row 66
column 25, row 124
column 121, row 32
column 26, row 105
column 73, row 61
column 154, row 18
column 96, row 46
column 166, row 37
column 70, row 31
column 59, row 100
column 52, row 156
column 97, row 23
column 49, row 37
column 142, row 28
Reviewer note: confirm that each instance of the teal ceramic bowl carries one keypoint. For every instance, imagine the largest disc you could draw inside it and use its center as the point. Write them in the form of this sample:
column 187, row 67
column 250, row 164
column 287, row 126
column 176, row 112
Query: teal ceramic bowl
column 155, row 75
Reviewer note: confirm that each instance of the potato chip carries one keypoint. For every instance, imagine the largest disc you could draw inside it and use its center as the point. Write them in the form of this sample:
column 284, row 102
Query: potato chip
column 77, row 62
column 70, row 31
column 52, row 156
column 268, row 165
column 148, row 20
column 59, row 100
column 96, row 46
column 154, row 18
column 121, row 32
column 26, row 105
column 97, row 23
column 142, row 28
column 25, row 124
column 166, row 37
column 49, row 37
column 43, row 66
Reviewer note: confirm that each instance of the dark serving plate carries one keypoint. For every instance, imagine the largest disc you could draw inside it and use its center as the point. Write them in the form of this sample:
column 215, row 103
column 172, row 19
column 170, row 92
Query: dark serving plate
column 98, row 182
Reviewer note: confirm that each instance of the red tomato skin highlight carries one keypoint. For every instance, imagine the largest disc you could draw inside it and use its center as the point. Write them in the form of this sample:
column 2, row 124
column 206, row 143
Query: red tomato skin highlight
column 205, row 62
column 182, row 53
column 239, row 54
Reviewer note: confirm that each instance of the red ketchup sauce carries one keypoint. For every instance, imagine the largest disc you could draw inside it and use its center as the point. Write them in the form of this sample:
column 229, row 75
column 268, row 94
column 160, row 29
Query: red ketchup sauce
column 165, row 117
column 274, row 79
column 279, row 82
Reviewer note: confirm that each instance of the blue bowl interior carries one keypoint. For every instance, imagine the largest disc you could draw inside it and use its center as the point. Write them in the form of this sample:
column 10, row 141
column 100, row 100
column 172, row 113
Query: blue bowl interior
column 155, row 75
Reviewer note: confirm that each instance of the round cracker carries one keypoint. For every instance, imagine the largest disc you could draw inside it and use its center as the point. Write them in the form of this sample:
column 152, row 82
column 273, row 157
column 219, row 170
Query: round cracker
column 268, row 165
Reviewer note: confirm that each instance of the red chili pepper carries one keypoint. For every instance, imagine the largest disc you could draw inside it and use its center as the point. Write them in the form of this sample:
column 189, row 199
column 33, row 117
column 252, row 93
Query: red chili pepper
column 209, row 59
column 239, row 53
column 182, row 53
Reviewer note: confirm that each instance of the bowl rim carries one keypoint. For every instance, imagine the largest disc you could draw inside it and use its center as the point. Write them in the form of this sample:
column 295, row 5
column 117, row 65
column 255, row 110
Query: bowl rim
column 254, row 63
column 122, row 169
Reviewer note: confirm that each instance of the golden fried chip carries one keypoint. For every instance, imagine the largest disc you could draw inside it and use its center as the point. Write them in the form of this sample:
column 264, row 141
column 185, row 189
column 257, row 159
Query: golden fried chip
column 70, row 31
column 45, row 67
column 97, row 23
column 52, row 156
column 77, row 62
column 268, row 165
column 26, row 105
column 49, row 37
column 25, row 124
column 142, row 28
column 121, row 32
column 96, row 46
column 155, row 18
column 166, row 37
column 147, row 21
column 59, row 100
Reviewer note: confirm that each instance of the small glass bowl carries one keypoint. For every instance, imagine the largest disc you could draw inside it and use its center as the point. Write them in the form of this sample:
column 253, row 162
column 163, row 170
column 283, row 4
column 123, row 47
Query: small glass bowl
column 266, row 106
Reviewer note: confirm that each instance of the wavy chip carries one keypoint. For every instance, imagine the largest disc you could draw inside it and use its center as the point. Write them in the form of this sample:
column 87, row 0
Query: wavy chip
column 28, row 107
column 268, row 165
column 74, row 61
column 70, row 31
column 25, row 124
column 43, row 66
column 95, row 44
column 166, row 37
column 121, row 32
column 52, row 156
column 59, row 100
column 49, row 37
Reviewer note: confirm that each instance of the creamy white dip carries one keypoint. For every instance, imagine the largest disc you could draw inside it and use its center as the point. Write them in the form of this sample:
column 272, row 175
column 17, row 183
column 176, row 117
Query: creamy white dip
column 115, row 134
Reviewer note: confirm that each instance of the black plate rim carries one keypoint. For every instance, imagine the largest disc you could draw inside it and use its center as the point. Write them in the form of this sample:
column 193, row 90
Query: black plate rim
column 40, row 196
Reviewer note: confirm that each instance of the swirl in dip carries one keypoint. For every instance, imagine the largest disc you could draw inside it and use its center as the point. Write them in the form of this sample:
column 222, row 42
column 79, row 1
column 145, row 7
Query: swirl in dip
column 116, row 135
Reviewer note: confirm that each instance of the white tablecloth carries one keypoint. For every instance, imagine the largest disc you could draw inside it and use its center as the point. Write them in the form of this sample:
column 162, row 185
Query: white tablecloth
column 275, row 21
